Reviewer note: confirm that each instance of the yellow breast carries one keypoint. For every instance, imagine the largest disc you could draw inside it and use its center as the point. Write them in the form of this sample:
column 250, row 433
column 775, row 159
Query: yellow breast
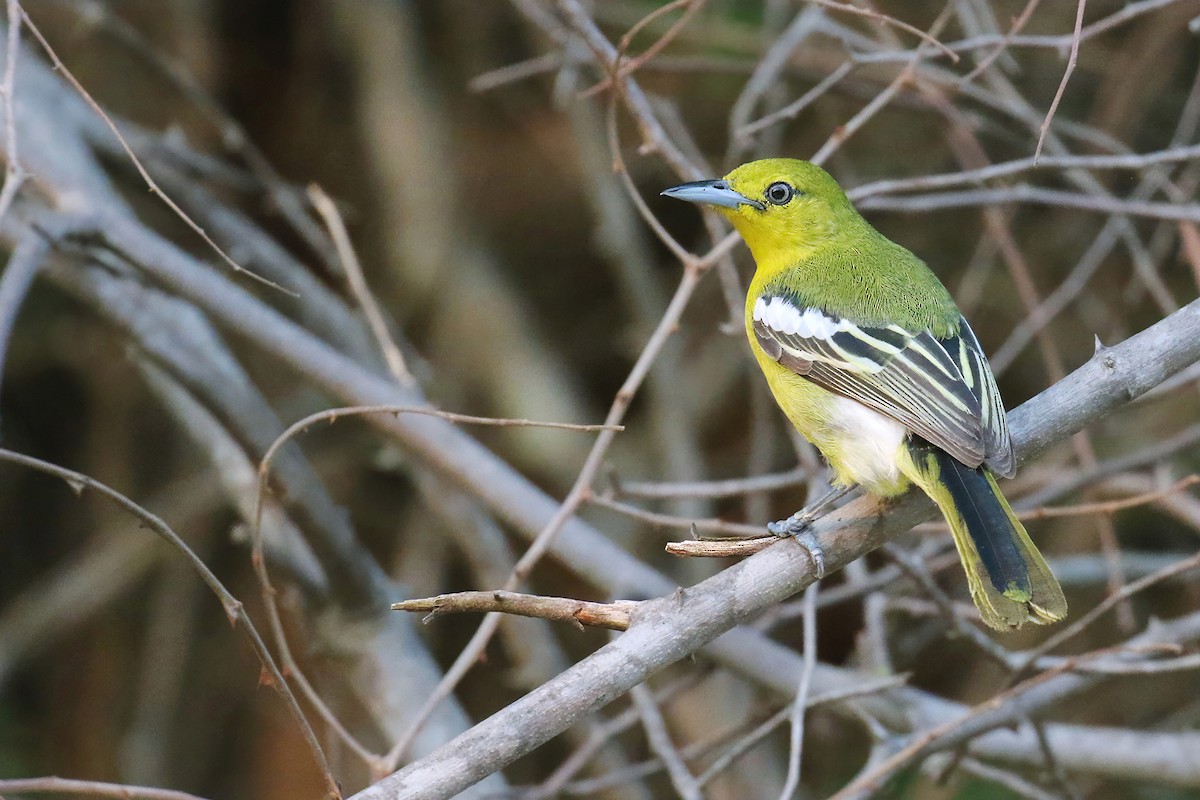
column 861, row 445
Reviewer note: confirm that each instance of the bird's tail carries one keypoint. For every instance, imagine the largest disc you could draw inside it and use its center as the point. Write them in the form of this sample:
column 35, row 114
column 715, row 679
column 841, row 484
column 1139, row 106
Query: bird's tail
column 1008, row 577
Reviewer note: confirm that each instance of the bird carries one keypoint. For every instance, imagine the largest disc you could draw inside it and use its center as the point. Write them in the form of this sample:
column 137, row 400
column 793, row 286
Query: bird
column 872, row 362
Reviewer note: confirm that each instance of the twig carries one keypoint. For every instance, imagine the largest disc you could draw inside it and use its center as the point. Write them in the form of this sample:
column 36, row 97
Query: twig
column 844, row 132
column 275, row 540
column 720, row 548
column 655, row 727
column 1127, row 13
column 1110, row 506
column 1131, row 161
column 800, row 704
column 915, row 569
column 614, row 616
column 122, row 791
column 283, row 196
column 929, row 38
column 633, row 64
column 1053, row 766
column 766, row 76
column 709, row 488
column 553, row 786
column 793, row 109
column 234, row 610
column 137, row 163
column 1153, row 453
column 1121, row 666
column 919, row 745
column 760, row 732
column 511, row 73
column 635, row 99
column 1023, row 193
column 332, row 415
column 1017, row 25
column 1062, row 86
column 358, row 284
column 1001, row 777
column 712, row 526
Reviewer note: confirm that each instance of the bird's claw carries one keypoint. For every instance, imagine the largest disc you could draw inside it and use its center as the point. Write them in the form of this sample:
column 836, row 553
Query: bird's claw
column 797, row 526
column 815, row 552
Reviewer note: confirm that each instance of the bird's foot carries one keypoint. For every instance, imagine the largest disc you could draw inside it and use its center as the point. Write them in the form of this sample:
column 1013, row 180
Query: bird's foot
column 797, row 526
column 794, row 525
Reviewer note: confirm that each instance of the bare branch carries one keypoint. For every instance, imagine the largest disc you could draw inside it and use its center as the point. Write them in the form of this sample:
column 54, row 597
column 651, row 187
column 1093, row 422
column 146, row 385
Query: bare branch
column 233, row 607
column 614, row 616
column 94, row 788
column 150, row 182
column 1062, row 86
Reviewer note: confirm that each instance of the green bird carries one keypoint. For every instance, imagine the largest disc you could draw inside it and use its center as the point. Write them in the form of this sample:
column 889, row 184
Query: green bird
column 871, row 361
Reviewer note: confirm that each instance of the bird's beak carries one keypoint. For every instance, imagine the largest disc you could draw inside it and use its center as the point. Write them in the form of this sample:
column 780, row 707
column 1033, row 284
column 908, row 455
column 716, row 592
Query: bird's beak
column 713, row 193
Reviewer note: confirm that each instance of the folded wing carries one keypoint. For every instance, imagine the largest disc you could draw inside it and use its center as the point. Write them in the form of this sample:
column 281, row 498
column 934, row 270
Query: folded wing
column 940, row 389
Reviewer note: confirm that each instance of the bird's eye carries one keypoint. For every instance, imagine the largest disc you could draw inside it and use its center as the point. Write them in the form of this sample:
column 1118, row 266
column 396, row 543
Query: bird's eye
column 780, row 193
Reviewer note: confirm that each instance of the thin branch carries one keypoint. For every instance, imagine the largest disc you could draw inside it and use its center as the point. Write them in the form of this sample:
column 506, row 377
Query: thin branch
column 121, row 791
column 614, row 616
column 1017, row 26
column 793, row 109
column 603, row 733
column 283, row 196
column 358, row 284
column 1110, row 506
column 387, row 763
column 929, row 38
column 710, row 489
column 633, row 64
column 760, row 732
column 916, row 569
column 1034, row 195
column 61, row 68
column 660, row 742
column 512, row 73
column 332, row 415
column 712, row 526
column 720, row 548
column 877, row 103
column 1062, row 86
column 1130, row 161
column 766, row 77
column 234, row 610
column 1127, row 13
column 1002, row 777
column 800, row 704
column 874, row 779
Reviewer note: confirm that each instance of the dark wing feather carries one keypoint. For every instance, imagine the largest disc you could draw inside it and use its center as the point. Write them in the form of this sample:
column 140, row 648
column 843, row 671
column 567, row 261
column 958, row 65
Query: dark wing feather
column 941, row 390
column 977, row 374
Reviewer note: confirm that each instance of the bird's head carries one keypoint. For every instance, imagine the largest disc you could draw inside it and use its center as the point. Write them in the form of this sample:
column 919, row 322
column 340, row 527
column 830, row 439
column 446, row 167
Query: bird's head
column 779, row 205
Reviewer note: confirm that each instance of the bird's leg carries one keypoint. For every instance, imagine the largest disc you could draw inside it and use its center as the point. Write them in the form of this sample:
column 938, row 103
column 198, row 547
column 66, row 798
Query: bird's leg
column 800, row 521
column 798, row 524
